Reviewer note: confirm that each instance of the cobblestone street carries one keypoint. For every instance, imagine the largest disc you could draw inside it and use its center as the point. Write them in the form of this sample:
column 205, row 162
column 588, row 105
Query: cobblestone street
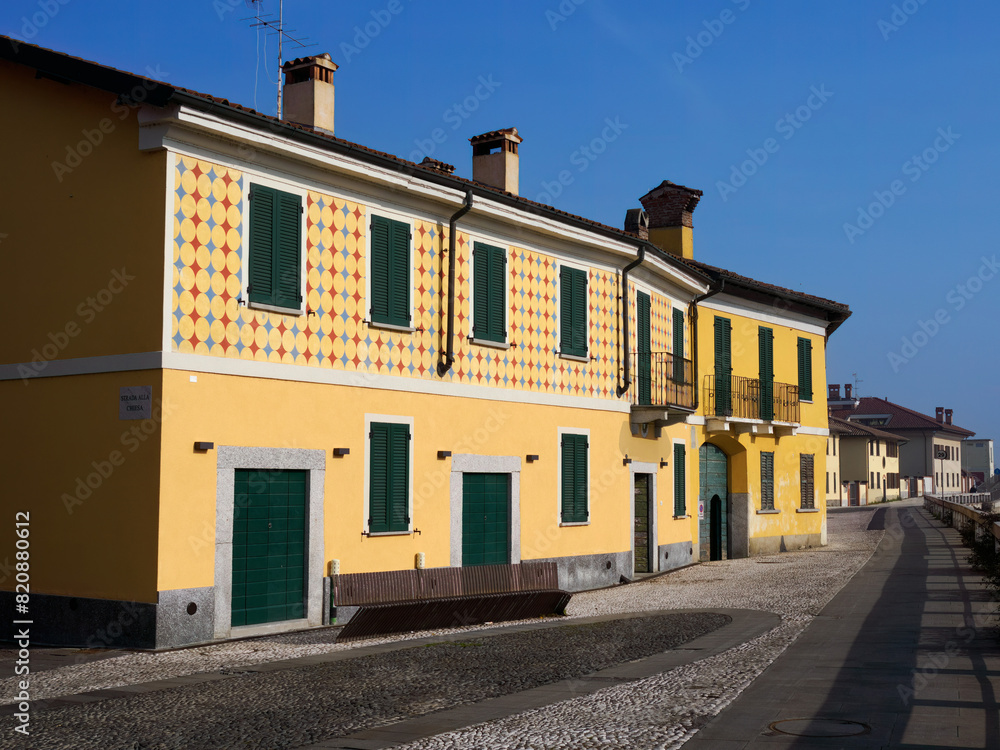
column 220, row 700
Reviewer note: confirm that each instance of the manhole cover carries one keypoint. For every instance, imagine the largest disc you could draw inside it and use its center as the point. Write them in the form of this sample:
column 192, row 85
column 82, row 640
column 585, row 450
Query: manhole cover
column 820, row 727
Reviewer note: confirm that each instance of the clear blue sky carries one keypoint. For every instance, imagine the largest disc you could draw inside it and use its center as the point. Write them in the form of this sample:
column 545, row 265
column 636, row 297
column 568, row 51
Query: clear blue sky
column 696, row 89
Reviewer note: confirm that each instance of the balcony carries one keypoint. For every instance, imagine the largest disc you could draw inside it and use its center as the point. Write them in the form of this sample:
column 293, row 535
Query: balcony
column 751, row 405
column 662, row 389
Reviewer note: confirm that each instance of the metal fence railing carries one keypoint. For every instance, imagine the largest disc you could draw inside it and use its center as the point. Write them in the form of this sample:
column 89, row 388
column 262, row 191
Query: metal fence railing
column 748, row 398
column 662, row 379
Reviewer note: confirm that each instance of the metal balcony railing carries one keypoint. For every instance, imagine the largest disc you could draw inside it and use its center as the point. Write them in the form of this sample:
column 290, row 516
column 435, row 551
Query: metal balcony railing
column 662, row 379
column 751, row 398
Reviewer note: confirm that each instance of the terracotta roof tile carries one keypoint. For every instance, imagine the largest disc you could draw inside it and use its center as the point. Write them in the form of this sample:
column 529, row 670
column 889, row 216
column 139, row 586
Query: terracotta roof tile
column 856, row 429
column 901, row 418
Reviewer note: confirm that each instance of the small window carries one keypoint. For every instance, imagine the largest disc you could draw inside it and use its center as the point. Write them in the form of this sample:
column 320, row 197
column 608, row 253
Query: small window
column 275, row 248
column 806, row 481
column 766, row 480
column 390, row 272
column 805, row 370
column 389, row 477
column 574, row 479
column 489, row 293
column 680, row 480
column 573, row 311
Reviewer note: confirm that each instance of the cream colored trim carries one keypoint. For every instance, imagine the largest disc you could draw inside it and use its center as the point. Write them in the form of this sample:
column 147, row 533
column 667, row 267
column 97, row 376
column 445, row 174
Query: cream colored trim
column 729, row 305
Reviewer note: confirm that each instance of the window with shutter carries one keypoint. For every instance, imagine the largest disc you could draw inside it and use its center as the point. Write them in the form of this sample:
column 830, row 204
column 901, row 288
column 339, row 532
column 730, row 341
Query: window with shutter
column 390, row 272
column 389, row 472
column 574, row 479
column 766, row 480
column 765, row 345
column 489, row 293
column 806, row 481
column 573, row 311
column 678, row 347
column 644, row 357
column 723, row 367
column 805, row 370
column 680, row 480
column 275, row 248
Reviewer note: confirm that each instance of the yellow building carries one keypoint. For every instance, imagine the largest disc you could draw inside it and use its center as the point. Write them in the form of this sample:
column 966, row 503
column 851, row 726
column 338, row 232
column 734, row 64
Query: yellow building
column 868, row 462
column 269, row 356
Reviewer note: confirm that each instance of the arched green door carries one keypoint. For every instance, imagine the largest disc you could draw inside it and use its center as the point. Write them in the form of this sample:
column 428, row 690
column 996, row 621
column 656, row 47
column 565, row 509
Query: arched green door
column 713, row 526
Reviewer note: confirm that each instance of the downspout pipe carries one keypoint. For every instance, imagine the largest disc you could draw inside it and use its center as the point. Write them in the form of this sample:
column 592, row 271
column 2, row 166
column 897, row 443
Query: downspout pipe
column 448, row 359
column 626, row 374
column 693, row 317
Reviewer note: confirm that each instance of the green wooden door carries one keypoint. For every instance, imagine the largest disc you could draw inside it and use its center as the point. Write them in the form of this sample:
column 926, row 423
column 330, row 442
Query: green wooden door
column 713, row 531
column 642, row 527
column 485, row 524
column 269, row 532
column 644, row 356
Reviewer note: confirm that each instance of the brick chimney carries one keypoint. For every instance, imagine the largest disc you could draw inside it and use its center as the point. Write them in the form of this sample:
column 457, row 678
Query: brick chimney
column 939, row 414
column 834, row 394
column 670, row 208
column 847, row 390
column 495, row 160
column 637, row 222
column 307, row 97
column 947, row 416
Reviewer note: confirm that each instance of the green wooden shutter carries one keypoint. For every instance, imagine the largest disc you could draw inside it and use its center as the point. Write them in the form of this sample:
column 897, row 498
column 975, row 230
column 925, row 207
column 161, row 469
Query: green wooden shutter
column 574, row 479
column 399, row 477
column 643, row 356
column 399, row 274
column 288, row 251
column 489, row 281
column 680, row 500
column 378, row 483
column 390, row 272
column 806, row 480
column 389, row 477
column 678, row 346
column 765, row 345
column 723, row 367
column 805, row 370
column 573, row 311
column 262, row 252
column 766, row 480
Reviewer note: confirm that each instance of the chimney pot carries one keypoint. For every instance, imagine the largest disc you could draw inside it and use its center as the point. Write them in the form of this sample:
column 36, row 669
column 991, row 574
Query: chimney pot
column 495, row 160
column 308, row 94
column 834, row 392
column 947, row 416
column 848, row 388
column 939, row 414
column 637, row 222
column 670, row 208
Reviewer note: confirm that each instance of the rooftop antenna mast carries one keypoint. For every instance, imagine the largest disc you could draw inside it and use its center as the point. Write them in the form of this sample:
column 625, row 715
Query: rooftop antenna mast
column 856, row 382
column 275, row 27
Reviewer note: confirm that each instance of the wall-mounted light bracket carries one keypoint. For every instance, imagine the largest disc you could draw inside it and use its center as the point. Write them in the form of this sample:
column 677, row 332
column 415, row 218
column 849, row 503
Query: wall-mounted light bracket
column 341, row 452
column 626, row 461
column 203, row 446
column 532, row 457
column 663, row 463
column 444, row 454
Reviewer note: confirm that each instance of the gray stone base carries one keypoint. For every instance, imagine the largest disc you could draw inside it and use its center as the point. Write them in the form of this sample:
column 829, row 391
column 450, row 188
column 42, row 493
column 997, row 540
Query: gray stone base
column 585, row 572
column 739, row 525
column 770, row 545
column 675, row 555
column 107, row 623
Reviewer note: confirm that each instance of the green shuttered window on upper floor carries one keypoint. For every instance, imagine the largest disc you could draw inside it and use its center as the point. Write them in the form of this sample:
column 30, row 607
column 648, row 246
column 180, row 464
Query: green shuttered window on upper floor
column 390, row 272
column 680, row 480
column 765, row 346
column 574, row 479
column 678, row 346
column 489, row 293
column 723, row 366
column 275, row 263
column 573, row 311
column 805, row 370
column 389, row 477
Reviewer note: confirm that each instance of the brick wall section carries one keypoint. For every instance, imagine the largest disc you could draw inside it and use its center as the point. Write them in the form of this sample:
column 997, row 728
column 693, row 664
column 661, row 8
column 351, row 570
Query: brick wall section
column 670, row 205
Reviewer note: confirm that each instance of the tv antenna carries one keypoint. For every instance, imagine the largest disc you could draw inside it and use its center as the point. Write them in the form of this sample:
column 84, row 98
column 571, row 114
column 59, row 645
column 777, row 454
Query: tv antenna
column 856, row 382
column 275, row 27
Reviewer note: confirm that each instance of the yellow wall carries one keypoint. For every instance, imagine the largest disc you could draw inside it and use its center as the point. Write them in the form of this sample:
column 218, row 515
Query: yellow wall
column 89, row 481
column 90, row 239
column 238, row 411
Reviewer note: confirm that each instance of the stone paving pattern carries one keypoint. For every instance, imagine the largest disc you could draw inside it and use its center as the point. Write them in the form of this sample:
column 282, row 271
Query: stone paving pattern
column 300, row 705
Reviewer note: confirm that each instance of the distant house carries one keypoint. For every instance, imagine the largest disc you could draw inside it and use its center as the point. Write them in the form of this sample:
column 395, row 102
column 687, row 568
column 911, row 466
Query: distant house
column 868, row 459
column 977, row 459
column 933, row 447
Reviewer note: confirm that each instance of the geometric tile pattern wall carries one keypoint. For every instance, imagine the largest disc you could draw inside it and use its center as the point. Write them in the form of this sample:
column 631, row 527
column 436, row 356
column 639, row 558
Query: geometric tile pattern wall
column 210, row 318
